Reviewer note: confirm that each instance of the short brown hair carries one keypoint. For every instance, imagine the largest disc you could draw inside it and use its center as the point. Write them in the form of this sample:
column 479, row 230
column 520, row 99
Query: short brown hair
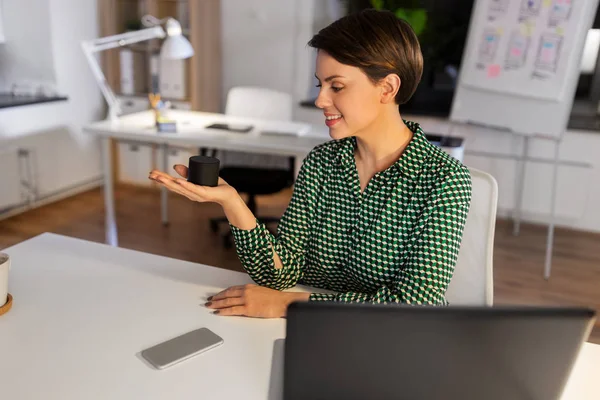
column 379, row 44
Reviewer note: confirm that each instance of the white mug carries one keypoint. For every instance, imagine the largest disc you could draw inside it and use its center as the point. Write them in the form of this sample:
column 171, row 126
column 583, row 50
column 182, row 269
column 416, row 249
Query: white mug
column 4, row 266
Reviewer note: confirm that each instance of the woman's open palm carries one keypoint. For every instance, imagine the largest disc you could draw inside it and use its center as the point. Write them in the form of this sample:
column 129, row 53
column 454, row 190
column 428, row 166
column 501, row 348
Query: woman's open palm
column 218, row 194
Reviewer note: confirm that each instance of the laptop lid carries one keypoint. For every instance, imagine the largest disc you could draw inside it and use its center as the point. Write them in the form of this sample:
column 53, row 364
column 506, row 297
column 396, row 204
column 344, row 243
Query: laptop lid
column 346, row 351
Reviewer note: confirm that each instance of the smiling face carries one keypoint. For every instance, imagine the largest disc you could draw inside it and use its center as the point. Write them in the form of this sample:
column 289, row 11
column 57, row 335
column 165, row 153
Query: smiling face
column 350, row 101
column 368, row 63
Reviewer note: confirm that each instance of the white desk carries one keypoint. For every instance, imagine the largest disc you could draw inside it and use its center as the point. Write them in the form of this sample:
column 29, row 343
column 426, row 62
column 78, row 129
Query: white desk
column 191, row 131
column 82, row 311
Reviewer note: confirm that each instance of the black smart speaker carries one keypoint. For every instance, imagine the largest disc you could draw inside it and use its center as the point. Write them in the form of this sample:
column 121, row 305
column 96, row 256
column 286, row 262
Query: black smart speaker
column 203, row 171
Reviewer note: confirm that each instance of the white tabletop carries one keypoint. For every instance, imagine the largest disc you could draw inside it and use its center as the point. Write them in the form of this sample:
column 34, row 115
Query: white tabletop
column 83, row 311
column 294, row 138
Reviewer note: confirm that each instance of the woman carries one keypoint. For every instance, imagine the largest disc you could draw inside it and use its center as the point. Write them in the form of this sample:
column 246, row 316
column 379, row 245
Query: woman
column 377, row 214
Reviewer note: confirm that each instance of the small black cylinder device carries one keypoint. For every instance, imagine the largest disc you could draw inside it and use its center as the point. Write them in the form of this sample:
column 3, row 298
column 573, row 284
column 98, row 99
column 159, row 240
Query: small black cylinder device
column 203, row 171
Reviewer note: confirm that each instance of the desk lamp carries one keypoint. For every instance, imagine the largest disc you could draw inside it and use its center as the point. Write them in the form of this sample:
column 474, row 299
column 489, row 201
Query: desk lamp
column 175, row 46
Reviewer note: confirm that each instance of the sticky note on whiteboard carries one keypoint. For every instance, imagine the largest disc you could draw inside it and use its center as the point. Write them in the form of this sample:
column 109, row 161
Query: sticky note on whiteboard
column 530, row 27
column 493, row 71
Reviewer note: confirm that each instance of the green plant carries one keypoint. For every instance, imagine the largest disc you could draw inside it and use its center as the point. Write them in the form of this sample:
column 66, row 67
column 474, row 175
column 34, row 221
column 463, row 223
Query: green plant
column 410, row 12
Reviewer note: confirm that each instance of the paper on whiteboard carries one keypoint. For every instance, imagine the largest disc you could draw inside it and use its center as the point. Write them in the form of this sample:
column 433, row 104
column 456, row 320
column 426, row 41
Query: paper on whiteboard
column 560, row 12
column 489, row 46
column 523, row 47
column 529, row 9
column 497, row 8
column 548, row 52
column 518, row 49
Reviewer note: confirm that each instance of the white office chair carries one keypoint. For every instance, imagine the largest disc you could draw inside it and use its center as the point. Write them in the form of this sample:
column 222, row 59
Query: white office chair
column 473, row 280
column 256, row 102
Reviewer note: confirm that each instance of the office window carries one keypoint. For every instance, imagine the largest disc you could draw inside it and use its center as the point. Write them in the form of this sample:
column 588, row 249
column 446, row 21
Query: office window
column 585, row 111
column 590, row 52
column 588, row 70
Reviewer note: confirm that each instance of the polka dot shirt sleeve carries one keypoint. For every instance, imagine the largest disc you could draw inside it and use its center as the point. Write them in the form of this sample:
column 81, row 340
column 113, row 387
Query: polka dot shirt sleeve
column 430, row 265
column 256, row 247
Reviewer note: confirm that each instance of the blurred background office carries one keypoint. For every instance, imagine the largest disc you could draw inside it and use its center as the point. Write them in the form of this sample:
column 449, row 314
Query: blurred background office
column 51, row 173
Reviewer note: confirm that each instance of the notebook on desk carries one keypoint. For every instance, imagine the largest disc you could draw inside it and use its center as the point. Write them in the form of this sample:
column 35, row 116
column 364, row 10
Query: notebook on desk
column 342, row 351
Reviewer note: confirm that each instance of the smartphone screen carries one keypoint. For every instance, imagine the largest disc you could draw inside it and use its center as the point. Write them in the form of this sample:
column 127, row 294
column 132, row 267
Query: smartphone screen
column 182, row 347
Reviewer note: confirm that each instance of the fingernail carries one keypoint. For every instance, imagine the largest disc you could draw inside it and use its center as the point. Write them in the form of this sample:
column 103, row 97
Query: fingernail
column 216, row 312
column 209, row 298
column 208, row 304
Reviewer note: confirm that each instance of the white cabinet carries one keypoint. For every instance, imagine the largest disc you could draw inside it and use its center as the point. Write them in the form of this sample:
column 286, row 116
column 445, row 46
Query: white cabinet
column 132, row 104
column 10, row 194
column 136, row 160
column 45, row 167
column 181, row 105
column 179, row 156
column 172, row 79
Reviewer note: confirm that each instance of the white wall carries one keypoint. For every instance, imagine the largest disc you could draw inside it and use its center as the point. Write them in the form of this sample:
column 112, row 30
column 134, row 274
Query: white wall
column 2, row 38
column 264, row 44
column 26, row 54
column 66, row 157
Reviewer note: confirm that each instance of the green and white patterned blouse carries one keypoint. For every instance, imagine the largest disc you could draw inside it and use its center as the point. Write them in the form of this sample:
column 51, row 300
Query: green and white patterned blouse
column 396, row 242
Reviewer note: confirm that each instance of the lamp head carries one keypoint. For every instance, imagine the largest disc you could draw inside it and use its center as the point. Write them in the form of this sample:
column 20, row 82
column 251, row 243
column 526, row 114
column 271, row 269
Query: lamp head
column 175, row 46
column 173, row 27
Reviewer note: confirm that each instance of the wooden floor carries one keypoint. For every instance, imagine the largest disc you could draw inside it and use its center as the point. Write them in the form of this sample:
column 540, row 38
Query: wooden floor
column 518, row 261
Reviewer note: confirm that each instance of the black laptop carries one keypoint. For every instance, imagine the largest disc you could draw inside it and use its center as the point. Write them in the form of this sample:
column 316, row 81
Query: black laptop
column 344, row 351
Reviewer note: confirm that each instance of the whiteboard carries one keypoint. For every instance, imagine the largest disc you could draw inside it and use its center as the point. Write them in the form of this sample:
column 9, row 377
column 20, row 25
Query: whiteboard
column 521, row 64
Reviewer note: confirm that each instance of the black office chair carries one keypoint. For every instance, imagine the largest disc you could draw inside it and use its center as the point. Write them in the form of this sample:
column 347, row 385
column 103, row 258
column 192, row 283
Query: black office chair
column 255, row 174
column 253, row 182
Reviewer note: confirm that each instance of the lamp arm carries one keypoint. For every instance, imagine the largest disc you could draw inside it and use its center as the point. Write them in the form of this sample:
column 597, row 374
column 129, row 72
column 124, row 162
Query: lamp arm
column 114, row 109
column 110, row 42
column 124, row 39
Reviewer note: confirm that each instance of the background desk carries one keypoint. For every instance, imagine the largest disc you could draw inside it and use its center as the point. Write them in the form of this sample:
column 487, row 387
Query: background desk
column 82, row 311
column 298, row 140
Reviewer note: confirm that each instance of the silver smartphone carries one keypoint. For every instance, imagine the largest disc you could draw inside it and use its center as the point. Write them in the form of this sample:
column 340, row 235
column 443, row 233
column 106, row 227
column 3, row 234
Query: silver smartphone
column 181, row 348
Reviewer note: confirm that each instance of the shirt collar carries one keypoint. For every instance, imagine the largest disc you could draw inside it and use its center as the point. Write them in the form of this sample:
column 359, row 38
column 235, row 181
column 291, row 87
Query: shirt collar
column 410, row 162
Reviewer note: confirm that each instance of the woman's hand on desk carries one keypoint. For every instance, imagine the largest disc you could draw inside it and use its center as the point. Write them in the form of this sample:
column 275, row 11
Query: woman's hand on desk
column 220, row 194
column 254, row 301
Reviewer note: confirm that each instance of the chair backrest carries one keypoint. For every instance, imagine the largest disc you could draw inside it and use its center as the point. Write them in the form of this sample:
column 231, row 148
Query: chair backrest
column 473, row 280
column 256, row 102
